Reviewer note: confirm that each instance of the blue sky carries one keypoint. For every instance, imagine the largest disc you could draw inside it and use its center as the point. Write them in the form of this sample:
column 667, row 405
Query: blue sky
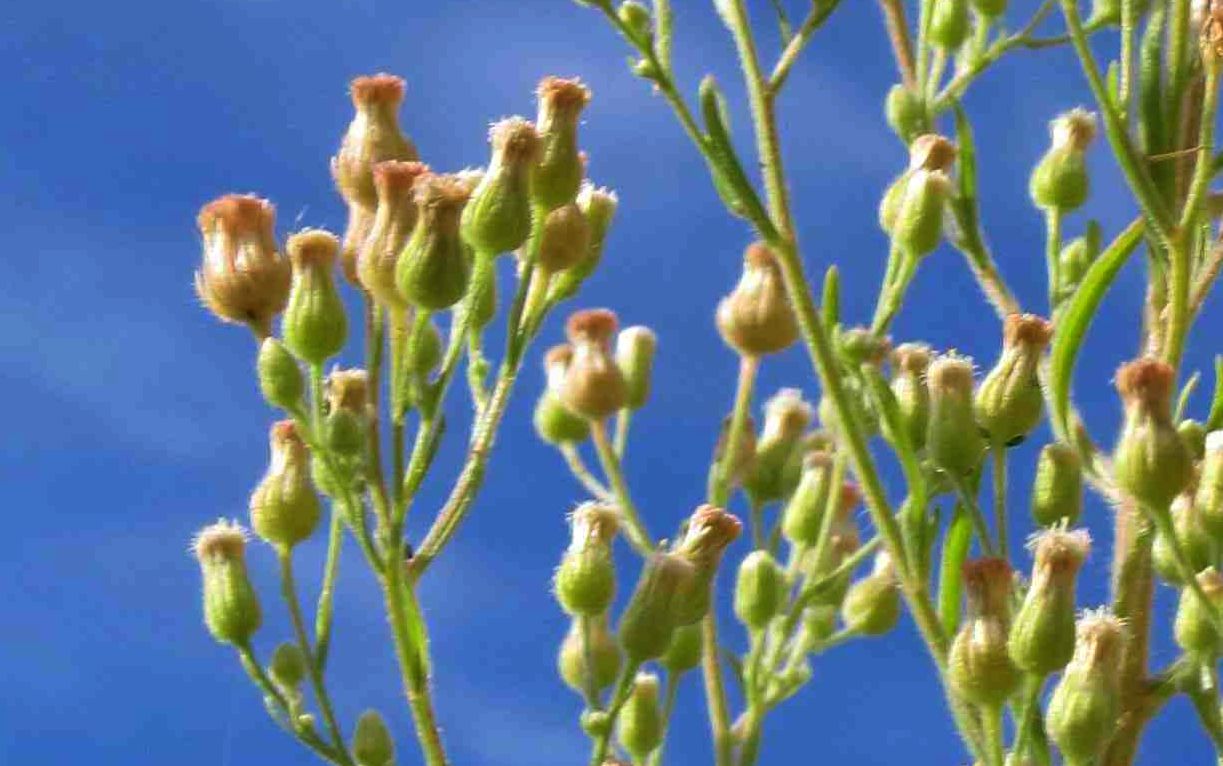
column 132, row 417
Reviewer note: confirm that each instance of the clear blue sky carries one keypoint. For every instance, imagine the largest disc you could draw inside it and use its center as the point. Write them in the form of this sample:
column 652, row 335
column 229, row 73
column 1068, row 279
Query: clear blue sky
column 131, row 417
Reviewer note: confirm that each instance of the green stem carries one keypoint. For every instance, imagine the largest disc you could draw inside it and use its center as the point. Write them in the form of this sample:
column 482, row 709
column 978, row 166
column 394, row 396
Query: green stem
column 744, row 386
column 620, row 695
column 638, row 535
column 624, row 419
column 815, row 19
column 1029, row 728
column 892, row 295
column 1053, row 261
column 304, row 735
column 998, row 451
column 670, row 695
column 580, row 472
column 715, row 691
column 590, row 688
column 326, row 599
column 995, row 748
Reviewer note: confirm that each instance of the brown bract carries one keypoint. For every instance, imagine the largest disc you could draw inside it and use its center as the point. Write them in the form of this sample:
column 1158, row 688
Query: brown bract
column 1148, row 382
column 931, row 152
column 1027, row 330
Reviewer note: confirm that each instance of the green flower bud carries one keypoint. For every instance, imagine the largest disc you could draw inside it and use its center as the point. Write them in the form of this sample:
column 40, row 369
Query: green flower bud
column 604, row 655
column 1057, row 489
column 949, row 23
column 1150, row 461
column 928, row 153
column 919, row 220
column 979, row 667
column 906, row 112
column 1209, row 496
column 1075, row 259
column 953, row 438
column 739, row 465
column 1196, row 541
column 1042, row 637
column 843, row 541
column 284, row 509
column 1059, row 180
column 371, row 741
column 684, row 652
column 599, row 207
column 760, row 589
column 989, row 8
column 639, row 726
column 756, row 318
column 860, row 345
column 1106, row 13
column 423, row 352
column 280, row 379
column 585, row 582
column 636, row 17
column 565, row 240
column 394, row 219
column 434, row 269
column 1193, row 434
column 288, row 667
column 554, row 423
column 1196, row 628
column 231, row 609
column 649, row 619
column 497, row 219
column 709, row 532
column 593, row 385
column 802, row 515
column 872, row 604
column 482, row 296
column 1009, row 402
column 635, row 348
column 819, row 623
column 911, row 360
column 242, row 277
column 597, row 723
column 814, row 441
column 1085, row 707
column 314, row 324
column 345, row 426
column 786, row 416
column 559, row 171
column 891, row 202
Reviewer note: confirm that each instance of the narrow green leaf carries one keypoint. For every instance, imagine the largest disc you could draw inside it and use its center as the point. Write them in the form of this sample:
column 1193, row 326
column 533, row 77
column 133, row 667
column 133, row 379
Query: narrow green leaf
column 1214, row 421
column 951, row 569
column 831, row 307
column 1182, row 401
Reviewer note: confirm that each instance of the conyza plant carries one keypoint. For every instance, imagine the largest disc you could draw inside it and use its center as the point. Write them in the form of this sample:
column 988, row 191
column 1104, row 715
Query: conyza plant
column 1029, row 674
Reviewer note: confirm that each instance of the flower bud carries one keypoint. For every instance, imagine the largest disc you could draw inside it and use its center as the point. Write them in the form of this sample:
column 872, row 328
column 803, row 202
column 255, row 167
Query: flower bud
column 906, row 112
column 1209, row 496
column 1059, row 180
column 565, row 239
column 603, row 650
column 371, row 741
column 1105, row 13
column 844, row 540
column 280, row 379
column 554, row 423
column 284, row 508
column 636, row 17
column 599, row 207
column 802, row 515
column 759, row 589
column 593, row 385
column 315, row 325
column 756, row 317
column 932, row 152
column 911, row 361
column 1042, row 638
column 1074, row 260
column 990, row 9
column 860, row 345
column 710, row 530
column 433, row 269
column 872, row 604
column 1193, row 434
column 1009, row 401
column 979, row 667
column 953, row 438
column 242, row 278
column 684, row 652
column 423, row 353
column 585, row 582
column 949, row 24
column 739, row 465
column 919, row 218
column 558, row 173
column 1195, row 541
column 819, row 623
column 635, row 348
column 288, row 667
column 1084, row 708
column 649, row 619
column 1196, row 628
column 639, row 726
column 392, row 225
column 498, row 217
column 1057, row 490
column 231, row 609
column 1150, row 461
column 786, row 416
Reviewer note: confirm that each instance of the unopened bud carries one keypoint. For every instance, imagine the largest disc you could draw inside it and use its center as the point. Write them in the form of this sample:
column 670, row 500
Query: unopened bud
column 906, row 112
column 242, row 277
column 599, row 207
column 819, row 623
column 756, row 317
column 231, row 609
column 759, row 589
column 639, row 726
column 1057, row 489
column 554, row 423
column 635, row 347
column 559, row 171
column 1196, row 627
column 1084, row 708
column 345, row 427
column 284, row 508
column 949, row 24
column 423, row 352
column 1209, row 495
column 498, row 217
column 872, row 604
column 979, row 667
column 684, row 652
column 315, row 325
column 1193, row 434
column 280, row 379
column 603, row 651
column 565, row 239
column 1074, row 260
column 710, row 531
column 433, row 269
column 1196, row 542
column 1042, row 637
column 371, row 741
column 989, row 8
column 953, row 438
column 593, row 385
column 1009, row 402
column 1060, row 180
column 911, row 361
column 932, row 152
column 586, row 579
column 1105, row 13
column 636, row 17
column 860, row 345
column 1150, row 461
column 801, row 517
column 786, row 417
column 288, row 667
column 919, row 219
column 393, row 222
column 649, row 619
